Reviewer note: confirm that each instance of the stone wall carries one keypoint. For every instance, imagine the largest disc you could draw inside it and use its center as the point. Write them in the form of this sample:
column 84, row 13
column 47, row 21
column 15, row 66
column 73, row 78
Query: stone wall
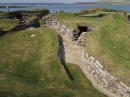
column 104, row 79
column 54, row 23
column 94, row 68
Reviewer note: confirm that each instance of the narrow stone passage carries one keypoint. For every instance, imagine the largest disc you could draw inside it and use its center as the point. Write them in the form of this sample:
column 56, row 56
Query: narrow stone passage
column 73, row 53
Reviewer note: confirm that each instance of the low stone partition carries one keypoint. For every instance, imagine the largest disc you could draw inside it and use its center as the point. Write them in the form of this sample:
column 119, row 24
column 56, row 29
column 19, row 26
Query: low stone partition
column 104, row 79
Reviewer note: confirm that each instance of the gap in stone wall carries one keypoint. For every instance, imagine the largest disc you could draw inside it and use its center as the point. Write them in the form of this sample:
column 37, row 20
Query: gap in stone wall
column 80, row 29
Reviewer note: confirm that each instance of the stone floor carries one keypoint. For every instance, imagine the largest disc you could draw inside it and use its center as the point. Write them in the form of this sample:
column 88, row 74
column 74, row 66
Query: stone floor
column 73, row 53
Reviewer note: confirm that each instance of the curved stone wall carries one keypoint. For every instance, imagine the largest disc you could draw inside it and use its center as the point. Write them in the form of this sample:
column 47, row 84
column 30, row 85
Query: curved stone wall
column 108, row 83
column 104, row 79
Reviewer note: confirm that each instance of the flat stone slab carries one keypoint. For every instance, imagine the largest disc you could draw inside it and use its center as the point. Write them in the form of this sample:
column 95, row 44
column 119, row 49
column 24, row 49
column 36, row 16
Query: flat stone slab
column 73, row 54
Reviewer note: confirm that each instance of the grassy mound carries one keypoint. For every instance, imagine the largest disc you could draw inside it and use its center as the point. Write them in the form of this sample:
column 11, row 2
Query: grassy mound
column 109, row 43
column 29, row 67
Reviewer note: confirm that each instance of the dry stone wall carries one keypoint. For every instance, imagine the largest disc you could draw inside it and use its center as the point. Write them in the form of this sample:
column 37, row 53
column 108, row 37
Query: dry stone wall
column 104, row 79
column 54, row 23
column 95, row 69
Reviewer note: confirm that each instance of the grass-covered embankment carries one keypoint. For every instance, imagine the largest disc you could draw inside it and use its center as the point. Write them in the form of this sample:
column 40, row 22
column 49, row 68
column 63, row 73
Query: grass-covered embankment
column 8, row 23
column 29, row 67
column 109, row 43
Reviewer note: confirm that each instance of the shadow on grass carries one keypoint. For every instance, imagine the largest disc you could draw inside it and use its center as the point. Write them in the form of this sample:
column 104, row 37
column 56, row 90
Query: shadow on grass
column 18, row 28
column 61, row 56
column 2, row 32
column 15, row 29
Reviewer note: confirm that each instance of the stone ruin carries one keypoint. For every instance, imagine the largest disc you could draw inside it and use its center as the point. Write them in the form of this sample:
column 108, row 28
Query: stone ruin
column 54, row 23
column 95, row 69
column 72, row 33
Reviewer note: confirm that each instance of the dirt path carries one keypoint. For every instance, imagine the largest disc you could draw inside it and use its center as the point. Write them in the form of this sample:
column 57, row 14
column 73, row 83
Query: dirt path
column 75, row 54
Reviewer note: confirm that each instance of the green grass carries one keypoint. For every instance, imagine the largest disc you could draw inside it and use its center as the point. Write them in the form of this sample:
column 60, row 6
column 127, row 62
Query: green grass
column 106, row 10
column 96, row 11
column 109, row 43
column 43, row 10
column 34, row 10
column 112, row 46
column 8, row 23
column 90, row 15
column 29, row 67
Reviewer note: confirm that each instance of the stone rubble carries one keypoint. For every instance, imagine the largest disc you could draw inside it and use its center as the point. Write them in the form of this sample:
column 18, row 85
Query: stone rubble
column 54, row 23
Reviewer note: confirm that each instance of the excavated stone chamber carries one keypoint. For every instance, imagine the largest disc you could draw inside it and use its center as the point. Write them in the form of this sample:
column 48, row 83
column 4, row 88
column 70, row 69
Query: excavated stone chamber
column 81, row 28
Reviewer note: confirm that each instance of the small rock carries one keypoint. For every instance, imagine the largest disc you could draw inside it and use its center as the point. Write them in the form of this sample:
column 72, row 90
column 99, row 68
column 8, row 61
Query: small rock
column 22, row 21
column 32, row 35
column 31, row 28
column 42, row 25
column 5, row 29
column 98, row 63
column 87, row 55
column 65, row 44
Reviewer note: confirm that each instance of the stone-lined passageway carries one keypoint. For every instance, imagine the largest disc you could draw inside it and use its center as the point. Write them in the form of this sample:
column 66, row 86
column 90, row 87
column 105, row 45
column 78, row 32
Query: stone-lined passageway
column 93, row 70
column 61, row 56
column 72, row 49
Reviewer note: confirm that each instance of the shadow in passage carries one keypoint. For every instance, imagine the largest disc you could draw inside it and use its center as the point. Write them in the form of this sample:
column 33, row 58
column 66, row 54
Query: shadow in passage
column 2, row 32
column 18, row 28
column 61, row 56
column 15, row 29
